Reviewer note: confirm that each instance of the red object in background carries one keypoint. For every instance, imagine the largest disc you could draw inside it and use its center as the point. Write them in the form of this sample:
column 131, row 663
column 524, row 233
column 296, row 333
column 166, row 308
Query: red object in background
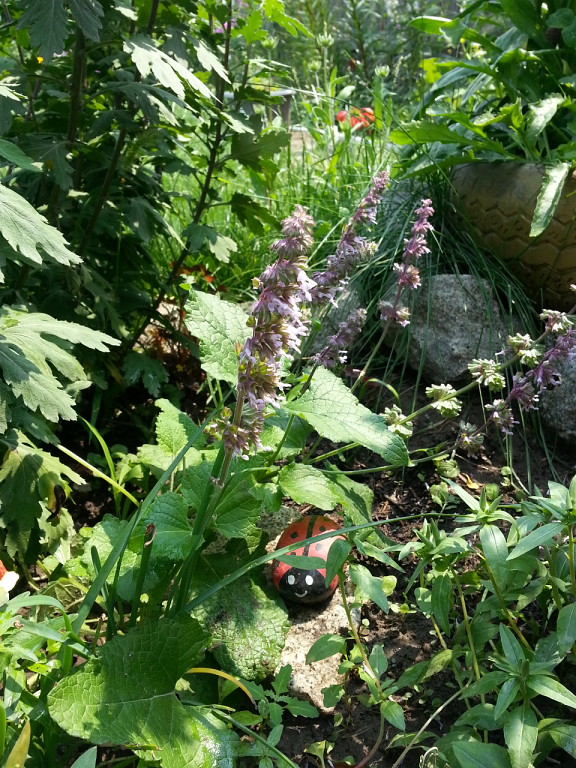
column 363, row 117
column 302, row 585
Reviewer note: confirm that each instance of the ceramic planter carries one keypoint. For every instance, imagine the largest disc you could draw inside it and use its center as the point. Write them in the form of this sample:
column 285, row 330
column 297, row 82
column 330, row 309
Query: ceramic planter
column 498, row 199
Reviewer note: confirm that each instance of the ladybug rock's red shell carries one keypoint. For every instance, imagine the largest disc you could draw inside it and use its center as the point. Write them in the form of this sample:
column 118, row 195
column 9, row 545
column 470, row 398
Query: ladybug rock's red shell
column 302, row 585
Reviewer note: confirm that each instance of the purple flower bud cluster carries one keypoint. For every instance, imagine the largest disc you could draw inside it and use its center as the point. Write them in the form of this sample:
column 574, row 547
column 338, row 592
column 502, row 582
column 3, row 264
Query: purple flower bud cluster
column 352, row 247
column 336, row 349
column 545, row 375
column 278, row 326
column 407, row 274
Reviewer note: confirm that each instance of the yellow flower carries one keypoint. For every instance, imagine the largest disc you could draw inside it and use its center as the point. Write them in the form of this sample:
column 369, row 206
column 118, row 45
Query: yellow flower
column 39, row 59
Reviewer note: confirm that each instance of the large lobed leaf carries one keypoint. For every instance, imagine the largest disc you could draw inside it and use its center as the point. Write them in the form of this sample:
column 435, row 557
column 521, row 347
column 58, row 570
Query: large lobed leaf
column 335, row 413
column 32, row 345
column 29, row 234
column 127, row 696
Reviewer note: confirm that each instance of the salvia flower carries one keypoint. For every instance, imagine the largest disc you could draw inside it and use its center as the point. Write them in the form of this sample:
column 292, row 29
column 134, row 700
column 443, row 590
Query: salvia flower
column 397, row 422
column 444, row 399
column 488, row 373
column 352, row 248
column 336, row 349
column 523, row 392
column 555, row 322
column 524, row 346
column 278, row 324
column 470, row 438
column 501, row 415
column 390, row 311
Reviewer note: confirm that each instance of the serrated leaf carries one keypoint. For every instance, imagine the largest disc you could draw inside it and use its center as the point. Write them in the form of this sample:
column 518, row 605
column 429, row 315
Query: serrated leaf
column 566, row 628
column 326, row 646
column 210, row 61
column 249, row 150
column 549, row 197
column 539, row 537
column 87, row 14
column 251, row 213
column 521, row 735
column 307, row 485
column 31, row 345
column 29, row 234
column 335, row 413
column 139, row 366
column 110, row 701
column 27, row 479
column 370, row 585
column 238, row 510
column 174, row 428
column 248, row 625
column 46, row 24
column 168, row 71
column 11, row 152
column 475, row 754
column 220, row 326
column 173, row 538
column 104, row 536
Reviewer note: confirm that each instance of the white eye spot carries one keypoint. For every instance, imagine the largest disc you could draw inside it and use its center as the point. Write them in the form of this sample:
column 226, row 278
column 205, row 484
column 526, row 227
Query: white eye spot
column 291, row 580
column 309, row 580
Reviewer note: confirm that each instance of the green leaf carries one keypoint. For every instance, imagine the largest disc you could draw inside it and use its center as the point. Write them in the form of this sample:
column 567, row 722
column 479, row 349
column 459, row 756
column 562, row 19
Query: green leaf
column 15, row 156
column 378, row 660
column 307, row 485
column 221, row 328
column 549, row 197
column 298, row 708
column 251, row 213
column 561, row 18
column 326, row 646
column 31, row 345
column 337, row 556
column 370, row 585
column 173, row 428
column 393, row 712
column 27, row 479
column 541, row 113
column 566, row 628
column 442, row 599
column 210, row 61
column 110, row 701
column 29, row 234
column 475, row 754
column 19, row 752
column 564, row 736
column 87, row 14
column 335, row 413
column 138, row 366
column 239, row 507
column 513, row 651
column 173, row 533
column 552, row 689
column 249, row 150
column 87, row 759
column 274, row 10
column 506, row 696
column 46, row 24
column 487, row 682
column 248, row 624
column 495, row 551
column 168, row 71
column 541, row 536
column 521, row 735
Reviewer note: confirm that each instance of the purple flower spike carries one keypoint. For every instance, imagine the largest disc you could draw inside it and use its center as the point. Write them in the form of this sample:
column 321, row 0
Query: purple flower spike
column 278, row 325
column 335, row 351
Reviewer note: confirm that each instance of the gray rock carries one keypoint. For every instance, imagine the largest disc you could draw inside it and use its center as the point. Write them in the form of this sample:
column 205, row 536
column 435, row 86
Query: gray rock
column 455, row 319
column 557, row 406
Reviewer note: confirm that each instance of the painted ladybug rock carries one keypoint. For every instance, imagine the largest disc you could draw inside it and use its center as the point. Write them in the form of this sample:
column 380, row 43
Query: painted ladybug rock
column 301, row 585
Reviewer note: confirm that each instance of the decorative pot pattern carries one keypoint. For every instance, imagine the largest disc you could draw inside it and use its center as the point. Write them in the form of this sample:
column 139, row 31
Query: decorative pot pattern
column 499, row 200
